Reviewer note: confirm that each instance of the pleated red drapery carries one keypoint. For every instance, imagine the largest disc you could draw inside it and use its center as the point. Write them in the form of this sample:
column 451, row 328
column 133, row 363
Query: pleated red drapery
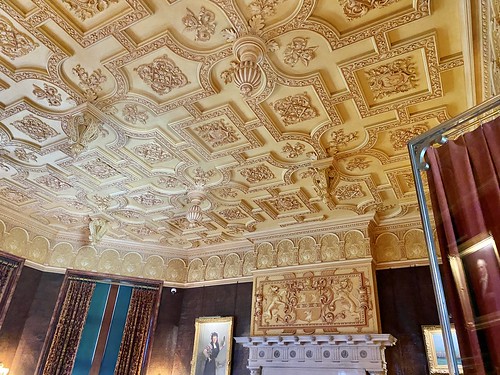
column 465, row 195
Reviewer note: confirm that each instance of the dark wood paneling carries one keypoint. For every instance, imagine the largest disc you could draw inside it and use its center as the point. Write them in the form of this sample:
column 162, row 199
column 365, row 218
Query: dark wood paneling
column 166, row 333
column 17, row 314
column 407, row 302
column 27, row 320
column 224, row 300
column 242, row 327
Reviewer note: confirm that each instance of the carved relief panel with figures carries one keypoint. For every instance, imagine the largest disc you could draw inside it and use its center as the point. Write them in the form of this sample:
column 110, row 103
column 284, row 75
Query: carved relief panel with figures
column 337, row 300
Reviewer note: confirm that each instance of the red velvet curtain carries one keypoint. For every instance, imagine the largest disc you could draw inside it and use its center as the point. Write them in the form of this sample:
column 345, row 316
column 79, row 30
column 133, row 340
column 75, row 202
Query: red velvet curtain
column 62, row 352
column 137, row 329
column 464, row 186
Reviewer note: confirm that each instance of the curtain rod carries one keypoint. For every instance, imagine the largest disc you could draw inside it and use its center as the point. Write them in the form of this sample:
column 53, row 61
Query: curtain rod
column 430, row 135
column 125, row 283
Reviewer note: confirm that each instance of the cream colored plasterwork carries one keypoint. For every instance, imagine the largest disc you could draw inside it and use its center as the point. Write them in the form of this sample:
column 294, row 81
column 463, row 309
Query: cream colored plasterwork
column 358, row 8
column 217, row 133
column 13, row 195
column 82, row 129
column 401, row 137
column 23, row 155
column 99, row 168
column 53, row 182
column 132, row 114
column 48, row 93
column 298, row 50
column 265, row 8
column 85, row 9
column 294, row 151
column 295, row 109
column 257, row 174
column 153, row 153
column 359, row 162
column 285, row 203
column 35, row 128
column 14, row 43
column 349, row 192
column 103, row 202
column 162, row 75
column 129, row 104
column 203, row 25
column 233, row 214
column 202, row 177
column 148, row 199
column 393, row 78
column 406, row 248
column 89, row 83
column 339, row 139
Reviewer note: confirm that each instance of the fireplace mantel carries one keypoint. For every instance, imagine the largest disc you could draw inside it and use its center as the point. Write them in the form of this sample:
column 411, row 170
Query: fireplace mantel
column 325, row 354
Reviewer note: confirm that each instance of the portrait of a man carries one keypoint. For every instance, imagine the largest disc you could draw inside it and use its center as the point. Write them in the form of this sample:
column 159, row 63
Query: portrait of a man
column 482, row 270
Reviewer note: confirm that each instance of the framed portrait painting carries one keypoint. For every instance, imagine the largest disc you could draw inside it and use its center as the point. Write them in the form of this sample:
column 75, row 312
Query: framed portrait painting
column 476, row 271
column 434, row 348
column 212, row 346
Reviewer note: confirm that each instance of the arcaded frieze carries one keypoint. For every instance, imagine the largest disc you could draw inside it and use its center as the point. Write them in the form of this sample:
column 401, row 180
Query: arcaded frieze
column 384, row 246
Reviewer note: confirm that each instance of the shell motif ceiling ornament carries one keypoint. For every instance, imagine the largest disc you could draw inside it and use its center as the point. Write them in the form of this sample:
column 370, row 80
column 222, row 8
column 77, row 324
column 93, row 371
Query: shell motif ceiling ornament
column 190, row 124
column 97, row 228
column 82, row 128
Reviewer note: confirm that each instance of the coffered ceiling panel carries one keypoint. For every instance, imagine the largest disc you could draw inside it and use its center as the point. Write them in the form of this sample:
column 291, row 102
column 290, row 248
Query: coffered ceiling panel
column 191, row 123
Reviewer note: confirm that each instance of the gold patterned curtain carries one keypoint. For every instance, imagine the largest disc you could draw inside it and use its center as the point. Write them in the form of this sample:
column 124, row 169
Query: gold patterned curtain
column 6, row 271
column 137, row 329
column 10, row 269
column 62, row 352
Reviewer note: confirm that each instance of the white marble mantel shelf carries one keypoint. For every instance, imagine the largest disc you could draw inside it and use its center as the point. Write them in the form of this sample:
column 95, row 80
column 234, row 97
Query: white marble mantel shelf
column 322, row 354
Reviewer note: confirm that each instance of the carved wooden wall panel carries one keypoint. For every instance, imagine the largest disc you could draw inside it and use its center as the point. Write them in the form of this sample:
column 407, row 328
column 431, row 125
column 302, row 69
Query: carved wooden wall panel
column 336, row 300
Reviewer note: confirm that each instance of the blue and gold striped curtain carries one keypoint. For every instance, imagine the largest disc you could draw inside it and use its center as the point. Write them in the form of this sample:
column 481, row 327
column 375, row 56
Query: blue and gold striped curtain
column 103, row 328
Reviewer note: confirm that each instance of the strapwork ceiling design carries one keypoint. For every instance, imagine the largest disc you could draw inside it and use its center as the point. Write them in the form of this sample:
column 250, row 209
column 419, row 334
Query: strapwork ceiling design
column 195, row 123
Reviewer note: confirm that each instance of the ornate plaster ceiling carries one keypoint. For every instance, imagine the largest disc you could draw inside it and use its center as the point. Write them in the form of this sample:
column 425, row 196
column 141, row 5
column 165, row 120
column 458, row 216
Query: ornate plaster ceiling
column 121, row 109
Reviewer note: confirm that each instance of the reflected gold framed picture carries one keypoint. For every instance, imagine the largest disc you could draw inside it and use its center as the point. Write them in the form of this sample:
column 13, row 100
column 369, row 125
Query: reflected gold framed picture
column 476, row 271
column 212, row 346
column 434, row 348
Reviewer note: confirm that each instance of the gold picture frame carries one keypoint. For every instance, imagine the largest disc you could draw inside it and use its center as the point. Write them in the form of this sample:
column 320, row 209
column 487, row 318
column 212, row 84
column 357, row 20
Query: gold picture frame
column 481, row 303
column 208, row 357
column 435, row 351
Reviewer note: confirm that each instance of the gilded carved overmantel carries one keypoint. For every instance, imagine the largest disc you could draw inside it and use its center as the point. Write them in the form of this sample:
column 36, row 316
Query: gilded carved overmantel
column 337, row 299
